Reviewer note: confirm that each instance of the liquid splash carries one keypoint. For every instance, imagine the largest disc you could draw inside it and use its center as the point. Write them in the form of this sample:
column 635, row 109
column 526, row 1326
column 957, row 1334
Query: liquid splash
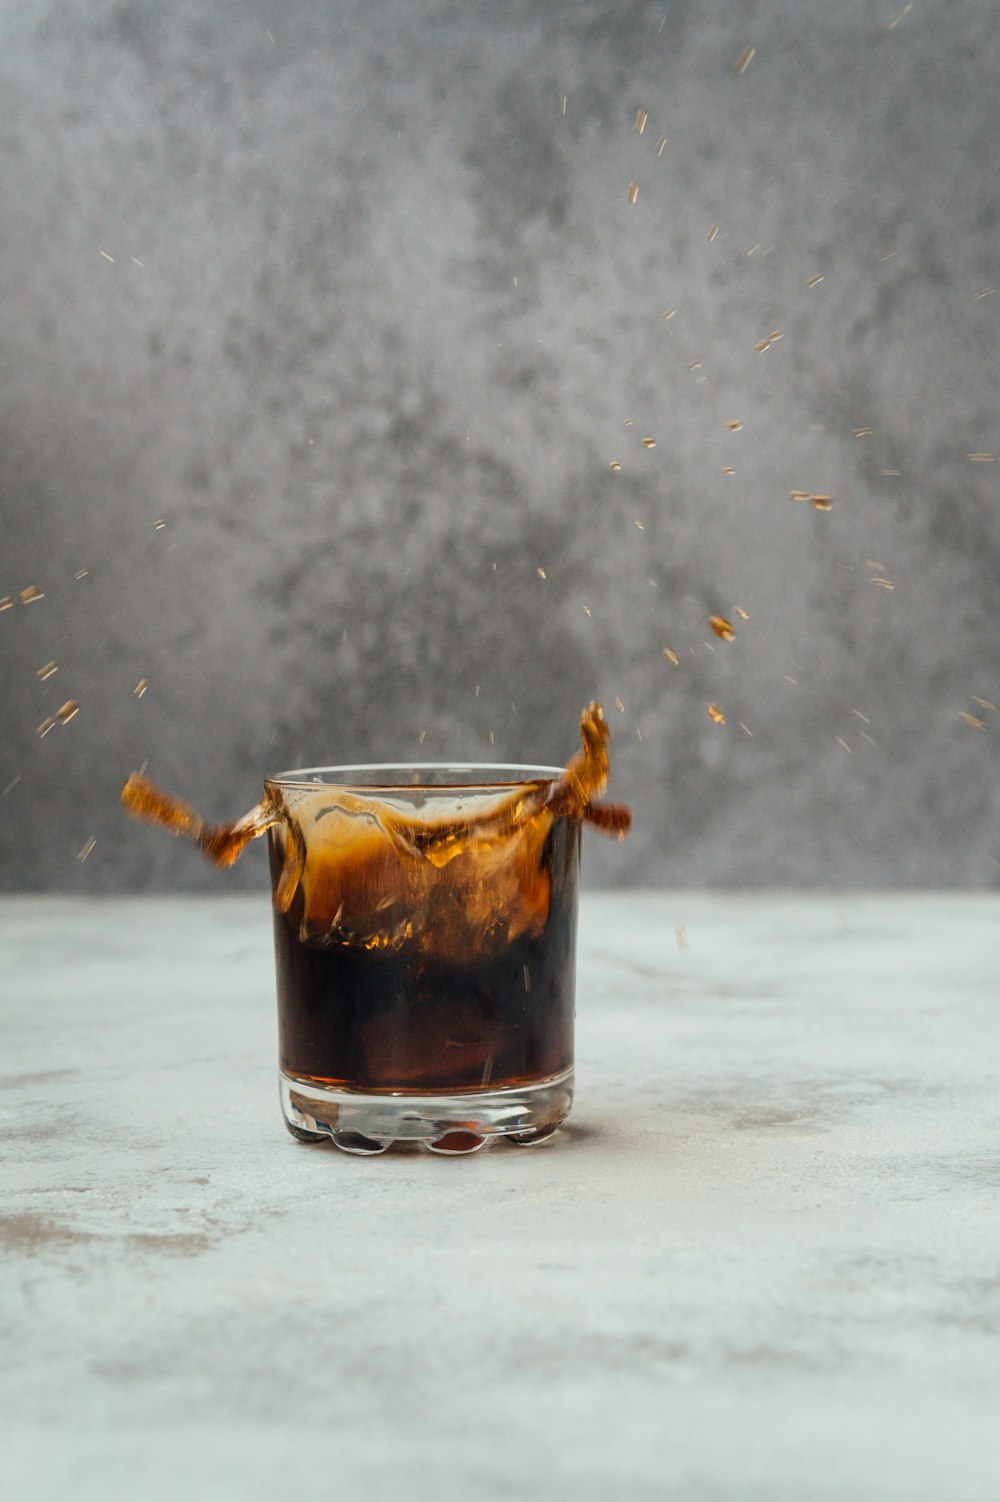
column 574, row 795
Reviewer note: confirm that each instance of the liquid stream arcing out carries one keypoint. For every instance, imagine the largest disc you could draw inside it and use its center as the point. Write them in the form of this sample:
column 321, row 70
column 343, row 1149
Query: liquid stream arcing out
column 372, row 865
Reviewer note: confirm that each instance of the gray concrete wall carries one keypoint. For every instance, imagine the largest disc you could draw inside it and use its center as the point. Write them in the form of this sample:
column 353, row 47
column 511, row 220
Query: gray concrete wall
column 353, row 299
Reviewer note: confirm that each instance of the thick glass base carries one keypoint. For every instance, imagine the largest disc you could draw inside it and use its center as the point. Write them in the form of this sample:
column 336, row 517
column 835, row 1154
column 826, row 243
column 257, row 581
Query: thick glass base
column 443, row 1123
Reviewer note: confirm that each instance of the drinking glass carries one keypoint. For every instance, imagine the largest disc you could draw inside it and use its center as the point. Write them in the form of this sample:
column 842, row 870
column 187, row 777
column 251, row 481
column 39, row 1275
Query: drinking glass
column 425, row 937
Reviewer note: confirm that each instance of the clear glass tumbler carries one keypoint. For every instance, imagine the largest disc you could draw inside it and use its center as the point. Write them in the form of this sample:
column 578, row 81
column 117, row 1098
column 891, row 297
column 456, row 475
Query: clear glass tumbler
column 425, row 940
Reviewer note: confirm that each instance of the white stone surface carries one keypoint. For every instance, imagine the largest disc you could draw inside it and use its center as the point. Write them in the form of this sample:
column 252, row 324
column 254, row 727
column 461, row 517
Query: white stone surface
column 762, row 1262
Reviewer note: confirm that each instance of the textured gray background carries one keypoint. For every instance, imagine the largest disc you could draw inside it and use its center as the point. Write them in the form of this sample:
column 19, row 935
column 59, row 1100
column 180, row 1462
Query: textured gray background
column 393, row 313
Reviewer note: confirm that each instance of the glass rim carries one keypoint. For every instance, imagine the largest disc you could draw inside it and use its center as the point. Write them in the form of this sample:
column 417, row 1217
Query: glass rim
column 469, row 776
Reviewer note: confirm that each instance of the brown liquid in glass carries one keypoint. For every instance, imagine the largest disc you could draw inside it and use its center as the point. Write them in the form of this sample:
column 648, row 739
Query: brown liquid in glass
column 422, row 1017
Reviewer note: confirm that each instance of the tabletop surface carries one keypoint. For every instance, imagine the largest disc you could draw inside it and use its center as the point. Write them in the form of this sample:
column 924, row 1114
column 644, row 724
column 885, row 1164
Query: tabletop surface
column 761, row 1261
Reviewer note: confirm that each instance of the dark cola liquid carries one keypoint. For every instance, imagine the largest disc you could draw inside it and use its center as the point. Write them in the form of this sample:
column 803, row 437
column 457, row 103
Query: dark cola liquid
column 408, row 1020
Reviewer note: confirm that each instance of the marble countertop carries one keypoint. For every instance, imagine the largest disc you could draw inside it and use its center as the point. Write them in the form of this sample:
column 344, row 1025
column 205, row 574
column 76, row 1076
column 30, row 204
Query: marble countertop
column 762, row 1261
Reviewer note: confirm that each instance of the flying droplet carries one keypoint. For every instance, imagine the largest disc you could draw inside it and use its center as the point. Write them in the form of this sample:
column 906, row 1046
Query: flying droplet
column 140, row 688
column 615, row 465
column 734, row 424
column 671, row 656
column 649, row 443
column 32, row 593
column 722, row 628
column 48, row 670
column 969, row 719
column 821, row 502
column 633, row 192
column 67, row 712
column 715, row 714
column 745, row 58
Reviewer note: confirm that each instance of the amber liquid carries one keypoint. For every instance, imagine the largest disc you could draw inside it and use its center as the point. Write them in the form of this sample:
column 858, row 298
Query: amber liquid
column 420, row 1017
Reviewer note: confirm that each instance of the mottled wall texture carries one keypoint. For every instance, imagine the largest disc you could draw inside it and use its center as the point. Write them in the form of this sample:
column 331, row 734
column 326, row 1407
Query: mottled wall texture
column 334, row 336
